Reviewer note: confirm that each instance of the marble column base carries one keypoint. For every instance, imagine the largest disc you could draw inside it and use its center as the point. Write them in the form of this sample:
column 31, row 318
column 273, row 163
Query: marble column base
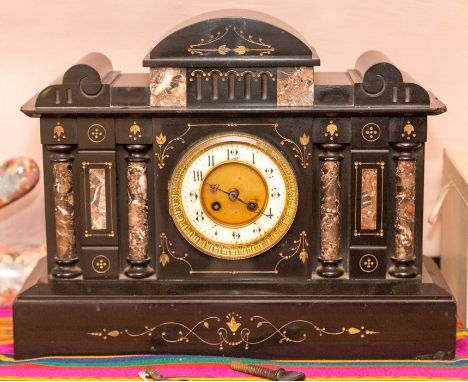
column 138, row 269
column 330, row 269
column 66, row 268
column 403, row 268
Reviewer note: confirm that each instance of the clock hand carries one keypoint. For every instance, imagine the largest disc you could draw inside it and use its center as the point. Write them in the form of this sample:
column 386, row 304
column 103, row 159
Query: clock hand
column 234, row 195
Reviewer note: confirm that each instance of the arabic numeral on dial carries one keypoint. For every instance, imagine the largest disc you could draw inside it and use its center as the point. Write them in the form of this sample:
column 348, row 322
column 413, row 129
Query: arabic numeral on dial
column 269, row 172
column 257, row 229
column 275, row 193
column 269, row 214
column 253, row 158
column 199, row 216
column 193, row 196
column 211, row 161
column 197, row 175
column 232, row 154
column 236, row 234
column 215, row 228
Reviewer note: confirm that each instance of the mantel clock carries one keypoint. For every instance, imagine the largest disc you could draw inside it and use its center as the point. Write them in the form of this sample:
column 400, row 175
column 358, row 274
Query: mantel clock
column 235, row 201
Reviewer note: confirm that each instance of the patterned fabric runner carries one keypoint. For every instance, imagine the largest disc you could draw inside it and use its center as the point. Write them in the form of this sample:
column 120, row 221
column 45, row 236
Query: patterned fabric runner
column 216, row 368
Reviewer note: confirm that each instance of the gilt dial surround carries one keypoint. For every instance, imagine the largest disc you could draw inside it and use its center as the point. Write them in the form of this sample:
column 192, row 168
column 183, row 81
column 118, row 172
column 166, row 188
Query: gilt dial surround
column 233, row 196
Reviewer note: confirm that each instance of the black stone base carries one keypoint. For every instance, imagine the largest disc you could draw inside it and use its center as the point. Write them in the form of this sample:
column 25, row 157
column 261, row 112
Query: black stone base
column 316, row 320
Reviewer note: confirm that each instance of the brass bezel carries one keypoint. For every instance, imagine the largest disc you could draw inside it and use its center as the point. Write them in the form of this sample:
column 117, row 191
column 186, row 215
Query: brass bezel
column 223, row 250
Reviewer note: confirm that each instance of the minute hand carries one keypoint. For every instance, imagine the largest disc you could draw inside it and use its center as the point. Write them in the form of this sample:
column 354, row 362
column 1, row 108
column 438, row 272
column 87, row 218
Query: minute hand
column 215, row 187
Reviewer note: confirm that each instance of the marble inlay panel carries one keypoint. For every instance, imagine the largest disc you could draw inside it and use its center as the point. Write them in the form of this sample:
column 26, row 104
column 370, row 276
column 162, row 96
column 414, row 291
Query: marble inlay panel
column 330, row 210
column 168, row 87
column 137, row 210
column 64, row 210
column 97, row 204
column 405, row 209
column 369, row 198
column 295, row 86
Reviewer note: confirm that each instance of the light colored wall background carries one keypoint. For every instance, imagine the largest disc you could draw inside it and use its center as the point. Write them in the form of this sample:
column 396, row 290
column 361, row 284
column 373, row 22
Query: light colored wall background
column 39, row 40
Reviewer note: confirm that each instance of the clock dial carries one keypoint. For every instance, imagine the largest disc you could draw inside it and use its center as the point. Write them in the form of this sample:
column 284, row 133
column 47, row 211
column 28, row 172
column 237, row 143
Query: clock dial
column 233, row 196
column 234, row 193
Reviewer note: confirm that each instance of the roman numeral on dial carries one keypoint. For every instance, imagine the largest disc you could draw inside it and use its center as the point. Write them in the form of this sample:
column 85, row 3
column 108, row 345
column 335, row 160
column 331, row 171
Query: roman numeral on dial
column 197, row 175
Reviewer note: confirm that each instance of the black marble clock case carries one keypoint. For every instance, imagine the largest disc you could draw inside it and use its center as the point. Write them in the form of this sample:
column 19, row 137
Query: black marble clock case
column 344, row 282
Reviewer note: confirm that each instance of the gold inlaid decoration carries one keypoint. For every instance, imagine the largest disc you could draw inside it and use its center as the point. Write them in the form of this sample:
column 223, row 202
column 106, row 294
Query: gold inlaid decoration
column 371, row 132
column 59, row 132
column 368, row 263
column 87, row 168
column 214, row 44
column 303, row 154
column 232, row 331
column 223, row 75
column 408, row 131
column 96, row 133
column 100, row 264
column 135, row 131
column 331, row 130
column 369, row 193
column 299, row 246
column 164, row 147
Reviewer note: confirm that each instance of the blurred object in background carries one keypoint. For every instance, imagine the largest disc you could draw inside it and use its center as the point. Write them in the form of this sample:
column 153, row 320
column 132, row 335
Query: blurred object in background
column 18, row 176
column 14, row 269
column 453, row 203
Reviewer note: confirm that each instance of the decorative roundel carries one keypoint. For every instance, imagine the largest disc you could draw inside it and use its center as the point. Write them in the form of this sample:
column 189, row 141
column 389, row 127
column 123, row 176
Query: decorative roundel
column 96, row 133
column 371, row 132
column 368, row 263
column 101, row 264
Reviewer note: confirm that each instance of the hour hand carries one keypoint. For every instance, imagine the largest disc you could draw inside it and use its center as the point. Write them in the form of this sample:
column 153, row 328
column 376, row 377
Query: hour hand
column 232, row 194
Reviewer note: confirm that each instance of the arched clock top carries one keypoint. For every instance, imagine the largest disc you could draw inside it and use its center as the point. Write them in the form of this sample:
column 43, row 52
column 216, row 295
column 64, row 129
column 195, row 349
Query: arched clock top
column 231, row 42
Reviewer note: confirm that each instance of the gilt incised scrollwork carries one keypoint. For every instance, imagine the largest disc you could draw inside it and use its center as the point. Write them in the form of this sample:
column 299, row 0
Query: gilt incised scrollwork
column 302, row 154
column 166, row 146
column 298, row 249
column 232, row 331
column 301, row 151
column 214, row 44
